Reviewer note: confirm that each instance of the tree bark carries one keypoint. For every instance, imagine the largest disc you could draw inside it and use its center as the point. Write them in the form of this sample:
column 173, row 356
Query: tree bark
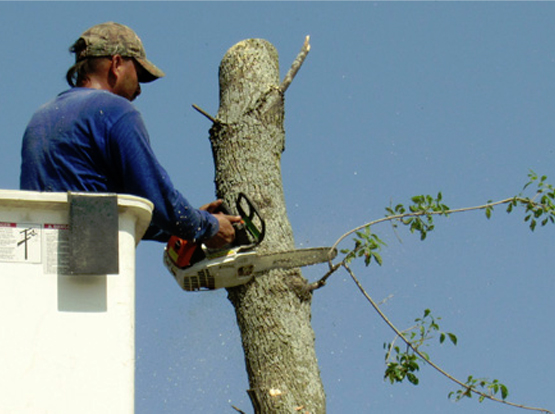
column 273, row 314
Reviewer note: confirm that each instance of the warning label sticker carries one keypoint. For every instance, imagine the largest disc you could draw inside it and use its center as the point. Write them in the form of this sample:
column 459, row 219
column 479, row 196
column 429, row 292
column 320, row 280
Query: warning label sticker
column 20, row 242
column 56, row 240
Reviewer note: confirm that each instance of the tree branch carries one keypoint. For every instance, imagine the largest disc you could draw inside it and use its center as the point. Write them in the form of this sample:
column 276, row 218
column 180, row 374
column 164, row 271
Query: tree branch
column 206, row 114
column 333, row 267
column 425, row 213
column 425, row 358
column 297, row 63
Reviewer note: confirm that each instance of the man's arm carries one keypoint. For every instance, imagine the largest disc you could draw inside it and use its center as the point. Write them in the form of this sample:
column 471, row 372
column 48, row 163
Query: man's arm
column 139, row 172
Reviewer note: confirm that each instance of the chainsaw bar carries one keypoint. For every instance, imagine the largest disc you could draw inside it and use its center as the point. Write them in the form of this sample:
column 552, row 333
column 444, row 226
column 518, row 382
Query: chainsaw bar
column 292, row 259
column 228, row 268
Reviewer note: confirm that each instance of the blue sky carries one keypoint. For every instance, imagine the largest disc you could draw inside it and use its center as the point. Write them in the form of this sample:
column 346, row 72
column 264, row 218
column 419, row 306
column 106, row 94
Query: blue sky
column 394, row 100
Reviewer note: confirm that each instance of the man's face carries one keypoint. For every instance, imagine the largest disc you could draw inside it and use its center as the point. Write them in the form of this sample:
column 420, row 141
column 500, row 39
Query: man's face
column 127, row 85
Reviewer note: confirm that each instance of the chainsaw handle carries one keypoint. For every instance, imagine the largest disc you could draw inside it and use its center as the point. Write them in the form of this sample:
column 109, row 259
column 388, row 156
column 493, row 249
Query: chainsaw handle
column 251, row 230
column 251, row 217
column 224, row 209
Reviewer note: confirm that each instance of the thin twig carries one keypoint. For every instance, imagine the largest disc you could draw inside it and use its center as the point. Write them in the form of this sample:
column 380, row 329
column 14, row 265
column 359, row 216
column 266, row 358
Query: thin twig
column 297, row 63
column 424, row 358
column 322, row 281
column 391, row 346
column 206, row 114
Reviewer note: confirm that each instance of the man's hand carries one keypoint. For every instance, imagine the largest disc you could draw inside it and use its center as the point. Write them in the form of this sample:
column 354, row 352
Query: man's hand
column 212, row 207
column 226, row 233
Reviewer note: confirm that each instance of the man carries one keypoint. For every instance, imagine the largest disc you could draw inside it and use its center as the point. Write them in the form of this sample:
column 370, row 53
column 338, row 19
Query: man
column 91, row 138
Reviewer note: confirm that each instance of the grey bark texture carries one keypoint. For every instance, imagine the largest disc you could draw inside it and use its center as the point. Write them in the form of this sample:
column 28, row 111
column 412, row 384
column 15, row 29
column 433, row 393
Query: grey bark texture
column 273, row 314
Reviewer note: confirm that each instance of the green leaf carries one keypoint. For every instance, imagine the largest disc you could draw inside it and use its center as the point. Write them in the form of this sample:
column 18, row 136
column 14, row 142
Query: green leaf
column 378, row 258
column 504, row 391
column 453, row 338
column 413, row 379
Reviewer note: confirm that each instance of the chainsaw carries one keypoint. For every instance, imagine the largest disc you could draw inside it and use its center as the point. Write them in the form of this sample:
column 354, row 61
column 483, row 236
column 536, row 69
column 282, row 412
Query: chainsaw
column 196, row 267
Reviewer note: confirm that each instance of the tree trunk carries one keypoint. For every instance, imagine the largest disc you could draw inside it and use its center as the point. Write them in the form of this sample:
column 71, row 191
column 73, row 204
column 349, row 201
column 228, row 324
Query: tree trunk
column 273, row 315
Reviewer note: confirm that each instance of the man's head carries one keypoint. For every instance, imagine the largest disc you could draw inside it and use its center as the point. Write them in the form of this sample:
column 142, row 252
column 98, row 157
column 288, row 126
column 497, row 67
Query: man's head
column 104, row 42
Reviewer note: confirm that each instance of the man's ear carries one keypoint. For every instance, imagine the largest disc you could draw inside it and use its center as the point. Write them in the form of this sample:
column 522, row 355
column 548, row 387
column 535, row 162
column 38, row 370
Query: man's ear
column 117, row 61
column 114, row 70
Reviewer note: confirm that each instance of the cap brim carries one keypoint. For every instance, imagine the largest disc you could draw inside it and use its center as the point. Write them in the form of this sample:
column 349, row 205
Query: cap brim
column 150, row 72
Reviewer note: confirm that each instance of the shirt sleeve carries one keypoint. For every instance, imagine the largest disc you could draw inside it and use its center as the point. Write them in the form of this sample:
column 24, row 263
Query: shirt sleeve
column 138, row 172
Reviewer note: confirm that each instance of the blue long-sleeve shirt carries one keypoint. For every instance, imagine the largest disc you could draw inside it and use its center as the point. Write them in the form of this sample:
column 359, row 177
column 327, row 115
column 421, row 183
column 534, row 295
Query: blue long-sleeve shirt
column 95, row 141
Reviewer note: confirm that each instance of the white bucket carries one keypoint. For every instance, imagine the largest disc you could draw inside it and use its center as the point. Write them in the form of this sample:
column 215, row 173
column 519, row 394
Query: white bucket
column 67, row 343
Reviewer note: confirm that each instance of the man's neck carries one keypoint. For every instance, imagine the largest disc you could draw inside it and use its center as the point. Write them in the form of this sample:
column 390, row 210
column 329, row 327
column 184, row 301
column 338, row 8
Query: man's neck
column 96, row 83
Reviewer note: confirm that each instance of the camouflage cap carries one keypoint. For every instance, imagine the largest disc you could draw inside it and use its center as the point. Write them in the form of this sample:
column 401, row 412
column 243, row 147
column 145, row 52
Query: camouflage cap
column 109, row 39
